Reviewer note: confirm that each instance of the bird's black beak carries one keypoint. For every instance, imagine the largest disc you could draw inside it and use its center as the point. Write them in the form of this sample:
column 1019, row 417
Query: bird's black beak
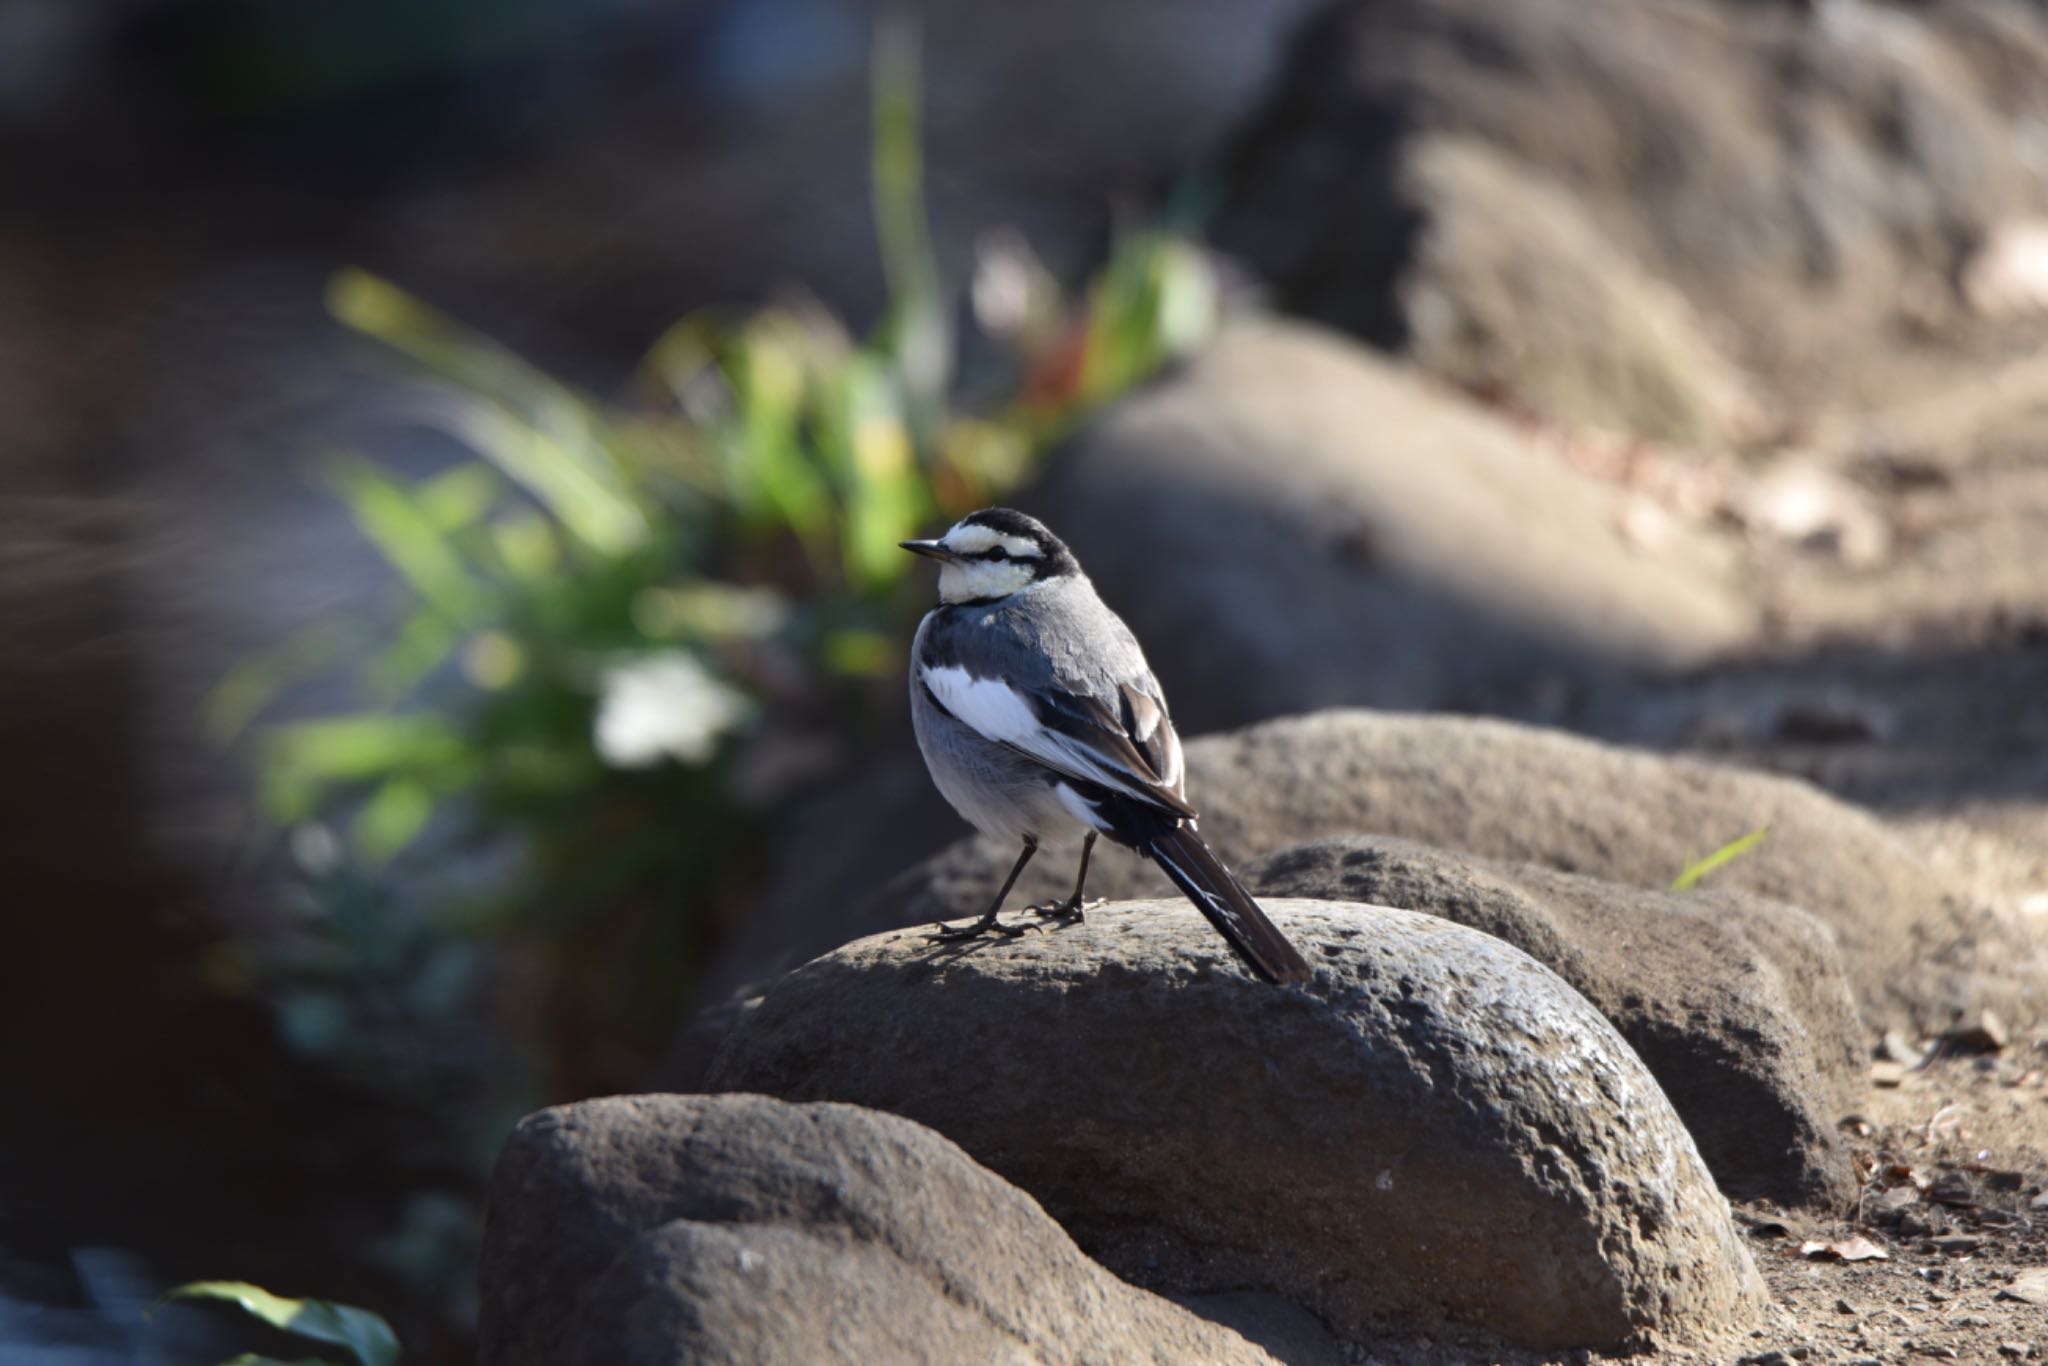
column 931, row 550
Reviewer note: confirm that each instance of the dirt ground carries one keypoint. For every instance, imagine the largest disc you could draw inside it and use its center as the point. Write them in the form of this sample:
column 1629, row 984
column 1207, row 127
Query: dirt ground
column 1956, row 1201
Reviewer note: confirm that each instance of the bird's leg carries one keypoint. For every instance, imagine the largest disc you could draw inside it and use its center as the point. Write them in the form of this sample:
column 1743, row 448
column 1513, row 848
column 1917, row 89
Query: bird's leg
column 1073, row 908
column 988, row 924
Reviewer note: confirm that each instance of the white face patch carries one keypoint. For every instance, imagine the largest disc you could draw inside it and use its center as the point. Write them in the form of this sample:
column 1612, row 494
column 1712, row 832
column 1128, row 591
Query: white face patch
column 967, row 538
column 973, row 580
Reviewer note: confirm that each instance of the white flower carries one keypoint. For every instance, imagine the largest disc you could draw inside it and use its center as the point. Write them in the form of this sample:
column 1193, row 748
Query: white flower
column 664, row 705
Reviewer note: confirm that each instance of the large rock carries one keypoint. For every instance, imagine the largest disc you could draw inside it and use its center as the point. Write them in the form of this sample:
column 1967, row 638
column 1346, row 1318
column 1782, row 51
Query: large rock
column 1809, row 176
column 1513, row 290
column 1736, row 1004
column 1344, row 532
column 1914, row 950
column 1436, row 1129
column 657, row 1229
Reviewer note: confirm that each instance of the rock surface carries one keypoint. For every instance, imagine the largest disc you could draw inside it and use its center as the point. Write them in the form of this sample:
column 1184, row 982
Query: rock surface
column 1736, row 1004
column 644, row 1229
column 1513, row 290
column 1809, row 176
column 1913, row 949
column 1436, row 1129
column 1344, row 532
column 1506, row 791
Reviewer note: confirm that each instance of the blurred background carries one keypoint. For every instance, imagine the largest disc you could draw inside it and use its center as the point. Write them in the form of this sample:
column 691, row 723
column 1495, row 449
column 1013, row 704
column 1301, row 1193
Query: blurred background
column 450, row 626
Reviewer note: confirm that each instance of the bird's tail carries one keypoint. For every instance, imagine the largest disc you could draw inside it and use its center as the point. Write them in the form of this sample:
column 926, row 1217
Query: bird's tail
column 1230, row 908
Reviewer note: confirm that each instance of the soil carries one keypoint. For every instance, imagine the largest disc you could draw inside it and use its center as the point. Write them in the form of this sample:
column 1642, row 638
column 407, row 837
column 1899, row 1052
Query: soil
column 1957, row 1201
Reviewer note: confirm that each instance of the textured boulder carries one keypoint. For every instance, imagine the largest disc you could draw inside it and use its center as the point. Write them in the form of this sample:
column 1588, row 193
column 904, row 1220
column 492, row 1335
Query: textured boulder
column 1736, row 1004
column 1343, row 531
column 1506, row 791
column 1809, row 176
column 1436, row 1129
column 734, row 1229
column 1512, row 289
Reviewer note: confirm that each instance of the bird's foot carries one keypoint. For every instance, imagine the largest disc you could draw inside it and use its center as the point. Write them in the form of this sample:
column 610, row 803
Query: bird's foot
column 942, row 933
column 1072, row 911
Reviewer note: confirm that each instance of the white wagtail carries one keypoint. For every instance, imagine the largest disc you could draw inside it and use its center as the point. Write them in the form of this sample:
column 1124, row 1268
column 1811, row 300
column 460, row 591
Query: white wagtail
column 1036, row 714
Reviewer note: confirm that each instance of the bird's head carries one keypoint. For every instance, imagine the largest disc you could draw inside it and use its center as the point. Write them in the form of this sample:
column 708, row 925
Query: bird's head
column 990, row 554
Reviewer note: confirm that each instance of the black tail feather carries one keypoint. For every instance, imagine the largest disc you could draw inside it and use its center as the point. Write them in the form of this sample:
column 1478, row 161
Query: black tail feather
column 1199, row 874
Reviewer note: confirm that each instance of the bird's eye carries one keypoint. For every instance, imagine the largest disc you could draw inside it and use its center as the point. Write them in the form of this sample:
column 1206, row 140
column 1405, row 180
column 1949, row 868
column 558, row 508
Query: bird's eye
column 998, row 553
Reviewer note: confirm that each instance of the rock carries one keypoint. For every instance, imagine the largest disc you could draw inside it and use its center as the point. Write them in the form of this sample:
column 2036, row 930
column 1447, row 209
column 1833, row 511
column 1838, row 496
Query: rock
column 1736, row 1004
column 1887, row 1074
column 644, row 1229
column 1512, row 289
column 1896, row 1047
column 1320, row 504
column 1981, row 1032
column 2029, row 1287
column 1810, row 177
column 1437, row 1129
column 1500, row 791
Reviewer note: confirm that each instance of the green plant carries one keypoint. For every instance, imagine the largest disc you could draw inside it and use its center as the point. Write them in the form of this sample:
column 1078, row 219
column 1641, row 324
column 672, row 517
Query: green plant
column 1694, row 871
column 366, row 1336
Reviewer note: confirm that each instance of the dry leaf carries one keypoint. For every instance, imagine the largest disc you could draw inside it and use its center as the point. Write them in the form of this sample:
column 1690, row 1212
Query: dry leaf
column 1855, row 1248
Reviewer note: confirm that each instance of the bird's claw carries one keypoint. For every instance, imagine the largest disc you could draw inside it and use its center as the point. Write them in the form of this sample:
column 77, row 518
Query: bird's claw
column 1068, row 912
column 942, row 933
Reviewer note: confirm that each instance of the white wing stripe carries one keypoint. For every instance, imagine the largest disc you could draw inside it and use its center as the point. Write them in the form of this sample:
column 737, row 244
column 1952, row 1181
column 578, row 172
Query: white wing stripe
column 1000, row 713
column 989, row 705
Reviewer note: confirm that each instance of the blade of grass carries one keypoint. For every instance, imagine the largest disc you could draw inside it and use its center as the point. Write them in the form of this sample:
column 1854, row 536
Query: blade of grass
column 916, row 332
column 256, row 682
column 1727, row 853
column 394, row 519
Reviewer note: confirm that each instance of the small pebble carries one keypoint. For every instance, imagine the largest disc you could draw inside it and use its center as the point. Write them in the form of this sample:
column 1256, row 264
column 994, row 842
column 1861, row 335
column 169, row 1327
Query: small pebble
column 1952, row 1188
column 1978, row 1032
column 1896, row 1047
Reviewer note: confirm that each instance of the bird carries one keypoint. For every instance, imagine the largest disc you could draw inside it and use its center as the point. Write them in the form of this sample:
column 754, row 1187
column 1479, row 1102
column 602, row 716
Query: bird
column 1037, row 714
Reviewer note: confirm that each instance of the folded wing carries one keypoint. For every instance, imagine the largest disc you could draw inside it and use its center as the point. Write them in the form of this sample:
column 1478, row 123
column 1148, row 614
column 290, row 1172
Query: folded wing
column 1127, row 746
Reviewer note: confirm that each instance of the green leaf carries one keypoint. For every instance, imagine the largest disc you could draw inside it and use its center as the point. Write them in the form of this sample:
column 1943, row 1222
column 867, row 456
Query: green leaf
column 537, row 430
column 256, row 682
column 771, row 477
column 459, row 497
column 423, row 643
column 886, row 492
column 366, row 1335
column 393, row 818
column 302, row 761
column 526, row 546
column 399, row 523
column 1727, row 853
column 555, row 457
